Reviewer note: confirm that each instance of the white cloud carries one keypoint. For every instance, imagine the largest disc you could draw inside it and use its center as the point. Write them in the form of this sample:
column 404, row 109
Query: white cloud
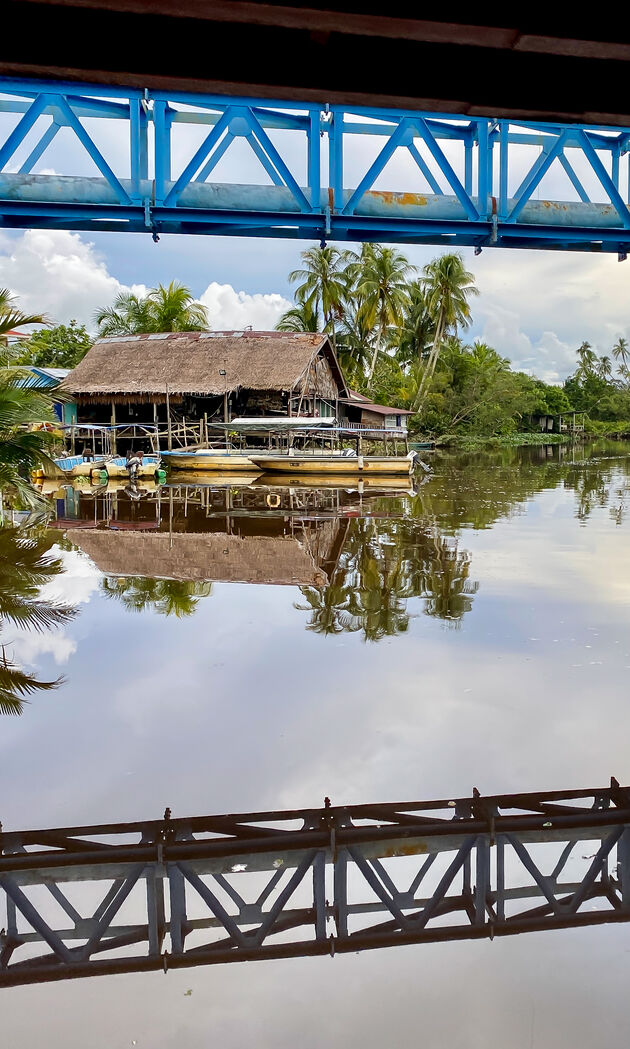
column 27, row 648
column 58, row 273
column 230, row 309
column 74, row 586
column 78, row 581
column 546, row 356
column 536, row 307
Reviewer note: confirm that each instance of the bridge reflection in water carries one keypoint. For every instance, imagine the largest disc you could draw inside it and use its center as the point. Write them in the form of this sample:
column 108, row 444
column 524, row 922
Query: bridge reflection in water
column 158, row 895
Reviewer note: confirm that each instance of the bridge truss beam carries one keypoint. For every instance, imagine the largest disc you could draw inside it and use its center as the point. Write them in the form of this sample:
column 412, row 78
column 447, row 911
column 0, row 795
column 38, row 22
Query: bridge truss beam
column 86, row 901
column 157, row 159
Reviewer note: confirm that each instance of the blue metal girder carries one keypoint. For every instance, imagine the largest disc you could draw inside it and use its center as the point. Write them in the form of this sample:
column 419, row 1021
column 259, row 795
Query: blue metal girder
column 319, row 881
column 473, row 181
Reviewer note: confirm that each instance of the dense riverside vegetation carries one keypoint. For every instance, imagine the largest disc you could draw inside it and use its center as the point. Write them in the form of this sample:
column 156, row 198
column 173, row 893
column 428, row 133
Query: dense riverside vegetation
column 399, row 335
column 400, row 338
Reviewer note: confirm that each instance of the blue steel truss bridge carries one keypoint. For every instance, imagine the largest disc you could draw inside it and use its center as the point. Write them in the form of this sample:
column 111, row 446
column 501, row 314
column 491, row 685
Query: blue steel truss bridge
column 81, row 157
column 173, row 893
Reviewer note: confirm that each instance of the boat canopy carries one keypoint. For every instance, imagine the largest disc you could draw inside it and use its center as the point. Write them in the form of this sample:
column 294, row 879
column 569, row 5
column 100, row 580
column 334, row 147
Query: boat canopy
column 274, row 423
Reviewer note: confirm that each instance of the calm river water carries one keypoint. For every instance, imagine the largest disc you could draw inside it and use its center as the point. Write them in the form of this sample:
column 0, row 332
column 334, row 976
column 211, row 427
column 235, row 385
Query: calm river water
column 244, row 647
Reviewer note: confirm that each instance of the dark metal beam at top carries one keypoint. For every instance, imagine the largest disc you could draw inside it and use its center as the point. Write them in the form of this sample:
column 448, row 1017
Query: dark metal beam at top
column 532, row 66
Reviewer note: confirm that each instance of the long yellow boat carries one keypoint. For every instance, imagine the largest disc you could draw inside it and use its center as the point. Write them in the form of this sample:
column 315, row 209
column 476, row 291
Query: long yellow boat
column 209, row 459
column 340, row 465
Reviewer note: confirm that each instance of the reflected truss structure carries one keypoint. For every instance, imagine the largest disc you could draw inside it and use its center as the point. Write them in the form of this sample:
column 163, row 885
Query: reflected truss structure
column 172, row 893
column 318, row 171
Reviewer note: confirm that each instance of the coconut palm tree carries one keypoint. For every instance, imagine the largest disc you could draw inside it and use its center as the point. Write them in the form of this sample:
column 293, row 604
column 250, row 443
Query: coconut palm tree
column 587, row 360
column 354, row 341
column 604, row 368
column 418, row 328
column 164, row 309
column 25, row 566
column 302, row 317
column 11, row 317
column 383, row 284
column 323, row 284
column 23, row 402
column 448, row 286
column 621, row 350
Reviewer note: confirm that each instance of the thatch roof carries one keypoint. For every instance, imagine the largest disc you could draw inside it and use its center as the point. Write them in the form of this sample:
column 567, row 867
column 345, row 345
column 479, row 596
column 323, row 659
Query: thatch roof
column 210, row 556
column 192, row 362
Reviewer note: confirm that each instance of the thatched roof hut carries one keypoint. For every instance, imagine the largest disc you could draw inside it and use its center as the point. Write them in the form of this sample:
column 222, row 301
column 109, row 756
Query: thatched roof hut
column 205, row 364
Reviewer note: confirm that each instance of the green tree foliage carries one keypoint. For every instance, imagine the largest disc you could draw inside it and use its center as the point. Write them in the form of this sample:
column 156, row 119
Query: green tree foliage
column 448, row 286
column 25, row 566
column 24, row 403
column 303, row 317
column 383, row 286
column 11, row 318
column 164, row 309
column 60, row 347
column 399, row 338
column 322, row 285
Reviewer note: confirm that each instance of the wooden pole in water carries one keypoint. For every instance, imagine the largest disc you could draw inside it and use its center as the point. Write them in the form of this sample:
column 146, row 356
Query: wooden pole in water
column 113, row 424
column 168, row 420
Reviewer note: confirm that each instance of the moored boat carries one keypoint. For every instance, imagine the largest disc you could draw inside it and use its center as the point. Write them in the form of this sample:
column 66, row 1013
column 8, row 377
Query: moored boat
column 340, row 465
column 209, row 459
column 71, row 466
column 117, row 467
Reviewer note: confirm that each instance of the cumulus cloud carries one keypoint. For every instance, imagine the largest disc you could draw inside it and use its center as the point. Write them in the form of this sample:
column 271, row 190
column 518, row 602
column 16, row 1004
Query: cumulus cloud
column 537, row 307
column 74, row 586
column 78, row 581
column 534, row 307
column 546, row 356
column 27, row 648
column 59, row 273
column 229, row 309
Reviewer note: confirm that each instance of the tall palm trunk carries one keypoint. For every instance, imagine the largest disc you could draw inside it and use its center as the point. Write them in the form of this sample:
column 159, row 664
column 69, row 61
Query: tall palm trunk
column 329, row 325
column 431, row 364
column 375, row 355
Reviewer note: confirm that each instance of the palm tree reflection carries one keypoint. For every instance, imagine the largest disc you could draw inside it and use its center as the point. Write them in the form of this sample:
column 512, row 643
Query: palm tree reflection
column 25, row 567
column 383, row 565
column 167, row 597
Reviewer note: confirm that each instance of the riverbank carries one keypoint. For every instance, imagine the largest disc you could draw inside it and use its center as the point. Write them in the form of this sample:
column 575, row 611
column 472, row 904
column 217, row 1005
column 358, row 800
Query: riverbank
column 510, row 440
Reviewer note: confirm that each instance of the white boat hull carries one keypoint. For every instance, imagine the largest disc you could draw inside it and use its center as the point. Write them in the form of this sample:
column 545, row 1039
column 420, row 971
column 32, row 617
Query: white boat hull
column 227, row 462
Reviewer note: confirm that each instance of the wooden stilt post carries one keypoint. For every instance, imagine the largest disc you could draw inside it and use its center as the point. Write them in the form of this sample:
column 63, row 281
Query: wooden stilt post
column 113, row 431
column 168, row 420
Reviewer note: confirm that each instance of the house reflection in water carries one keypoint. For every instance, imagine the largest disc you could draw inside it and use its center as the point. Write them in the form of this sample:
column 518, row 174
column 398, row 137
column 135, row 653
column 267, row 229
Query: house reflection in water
column 358, row 555
column 220, row 533
column 304, row 555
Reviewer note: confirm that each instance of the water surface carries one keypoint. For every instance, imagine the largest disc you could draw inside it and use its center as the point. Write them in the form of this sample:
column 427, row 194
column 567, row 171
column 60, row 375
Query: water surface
column 246, row 646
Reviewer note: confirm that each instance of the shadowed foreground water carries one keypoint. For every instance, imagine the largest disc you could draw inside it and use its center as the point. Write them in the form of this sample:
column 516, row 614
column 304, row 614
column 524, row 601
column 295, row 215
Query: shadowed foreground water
column 252, row 646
